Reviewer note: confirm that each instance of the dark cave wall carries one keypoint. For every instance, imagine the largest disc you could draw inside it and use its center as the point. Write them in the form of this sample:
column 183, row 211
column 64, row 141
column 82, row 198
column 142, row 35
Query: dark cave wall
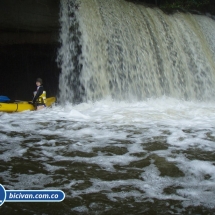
column 29, row 31
column 20, row 65
column 33, row 17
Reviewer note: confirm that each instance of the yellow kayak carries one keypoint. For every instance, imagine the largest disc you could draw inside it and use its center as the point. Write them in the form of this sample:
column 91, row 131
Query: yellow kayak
column 20, row 106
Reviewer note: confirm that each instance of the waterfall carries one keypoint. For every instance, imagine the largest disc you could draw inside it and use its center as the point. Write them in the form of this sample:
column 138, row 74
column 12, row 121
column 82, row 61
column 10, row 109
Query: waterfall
column 126, row 51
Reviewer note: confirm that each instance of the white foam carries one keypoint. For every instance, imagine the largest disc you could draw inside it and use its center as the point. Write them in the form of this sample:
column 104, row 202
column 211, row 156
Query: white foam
column 111, row 134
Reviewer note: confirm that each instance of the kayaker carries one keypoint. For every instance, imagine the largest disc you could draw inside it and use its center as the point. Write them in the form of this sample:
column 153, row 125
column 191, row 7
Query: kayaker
column 39, row 99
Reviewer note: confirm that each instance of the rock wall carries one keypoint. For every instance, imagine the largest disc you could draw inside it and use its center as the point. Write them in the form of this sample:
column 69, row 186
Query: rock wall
column 29, row 21
column 29, row 32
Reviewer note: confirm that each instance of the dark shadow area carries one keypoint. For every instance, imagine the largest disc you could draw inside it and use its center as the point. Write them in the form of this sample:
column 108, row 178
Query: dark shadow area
column 21, row 64
column 29, row 32
column 171, row 6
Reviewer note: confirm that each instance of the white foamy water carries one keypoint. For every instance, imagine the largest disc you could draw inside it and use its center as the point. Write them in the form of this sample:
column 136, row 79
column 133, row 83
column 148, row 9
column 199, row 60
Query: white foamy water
column 155, row 150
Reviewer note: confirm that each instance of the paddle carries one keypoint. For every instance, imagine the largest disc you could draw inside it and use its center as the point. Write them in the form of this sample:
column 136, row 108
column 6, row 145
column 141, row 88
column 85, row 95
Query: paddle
column 4, row 99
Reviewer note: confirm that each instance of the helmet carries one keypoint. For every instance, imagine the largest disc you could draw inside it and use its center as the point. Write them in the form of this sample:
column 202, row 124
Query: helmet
column 39, row 80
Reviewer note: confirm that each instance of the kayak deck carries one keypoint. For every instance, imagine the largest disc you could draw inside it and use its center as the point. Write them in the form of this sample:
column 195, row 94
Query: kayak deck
column 22, row 106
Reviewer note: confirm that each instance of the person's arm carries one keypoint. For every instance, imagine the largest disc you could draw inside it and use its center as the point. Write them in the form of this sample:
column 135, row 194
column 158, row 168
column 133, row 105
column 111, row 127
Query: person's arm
column 39, row 93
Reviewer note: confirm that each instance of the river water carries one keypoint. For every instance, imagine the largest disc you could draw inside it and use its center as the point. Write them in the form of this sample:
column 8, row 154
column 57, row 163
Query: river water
column 151, row 157
column 134, row 132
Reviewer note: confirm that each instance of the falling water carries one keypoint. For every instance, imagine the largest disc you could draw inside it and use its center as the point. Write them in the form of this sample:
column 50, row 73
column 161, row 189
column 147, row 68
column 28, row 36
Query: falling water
column 126, row 51
column 112, row 156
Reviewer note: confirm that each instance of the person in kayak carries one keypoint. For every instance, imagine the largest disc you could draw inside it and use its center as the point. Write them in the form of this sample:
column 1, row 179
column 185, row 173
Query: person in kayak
column 39, row 100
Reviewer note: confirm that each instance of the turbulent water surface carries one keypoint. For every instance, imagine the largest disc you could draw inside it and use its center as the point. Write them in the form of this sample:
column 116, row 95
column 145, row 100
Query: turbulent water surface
column 151, row 157
column 142, row 138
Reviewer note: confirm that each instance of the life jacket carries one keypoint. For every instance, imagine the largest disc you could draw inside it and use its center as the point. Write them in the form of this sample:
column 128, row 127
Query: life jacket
column 42, row 98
